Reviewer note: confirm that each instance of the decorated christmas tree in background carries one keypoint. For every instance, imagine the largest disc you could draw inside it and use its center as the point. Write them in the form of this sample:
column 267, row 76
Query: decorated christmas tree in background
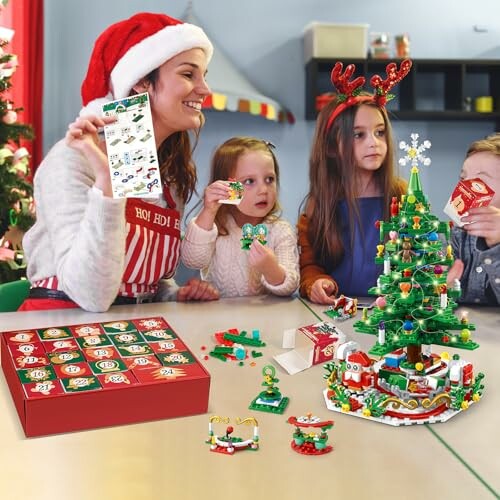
column 16, row 203
column 413, row 311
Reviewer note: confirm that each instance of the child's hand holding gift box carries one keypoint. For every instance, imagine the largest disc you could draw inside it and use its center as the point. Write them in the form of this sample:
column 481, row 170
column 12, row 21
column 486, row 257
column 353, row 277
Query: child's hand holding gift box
column 468, row 193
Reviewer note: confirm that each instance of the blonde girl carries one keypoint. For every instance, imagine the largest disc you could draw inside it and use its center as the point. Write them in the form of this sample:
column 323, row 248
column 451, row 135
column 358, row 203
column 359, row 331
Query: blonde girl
column 212, row 241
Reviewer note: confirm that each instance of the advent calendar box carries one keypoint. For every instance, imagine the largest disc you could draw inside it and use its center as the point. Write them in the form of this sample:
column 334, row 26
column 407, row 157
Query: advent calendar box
column 87, row 376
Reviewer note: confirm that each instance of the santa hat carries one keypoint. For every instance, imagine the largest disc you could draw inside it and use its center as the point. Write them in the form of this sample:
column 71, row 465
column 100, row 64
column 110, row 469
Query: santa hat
column 129, row 50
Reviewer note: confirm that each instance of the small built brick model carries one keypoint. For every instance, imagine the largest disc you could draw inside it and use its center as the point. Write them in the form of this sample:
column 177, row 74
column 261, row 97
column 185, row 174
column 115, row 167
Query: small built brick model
column 251, row 233
column 310, row 442
column 235, row 193
column 237, row 346
column 270, row 400
column 228, row 443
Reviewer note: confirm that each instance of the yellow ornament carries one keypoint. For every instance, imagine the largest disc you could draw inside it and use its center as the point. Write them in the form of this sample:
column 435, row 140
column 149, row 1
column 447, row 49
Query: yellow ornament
column 364, row 316
column 465, row 335
column 411, row 199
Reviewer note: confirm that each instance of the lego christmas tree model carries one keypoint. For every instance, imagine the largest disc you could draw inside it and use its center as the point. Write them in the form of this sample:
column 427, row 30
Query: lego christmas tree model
column 414, row 310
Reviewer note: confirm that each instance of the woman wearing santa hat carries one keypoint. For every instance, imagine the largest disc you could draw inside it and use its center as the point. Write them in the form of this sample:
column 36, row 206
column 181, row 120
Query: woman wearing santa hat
column 86, row 248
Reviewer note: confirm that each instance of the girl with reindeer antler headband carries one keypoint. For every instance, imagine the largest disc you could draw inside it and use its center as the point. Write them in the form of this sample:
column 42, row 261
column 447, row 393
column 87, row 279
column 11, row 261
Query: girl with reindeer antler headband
column 352, row 181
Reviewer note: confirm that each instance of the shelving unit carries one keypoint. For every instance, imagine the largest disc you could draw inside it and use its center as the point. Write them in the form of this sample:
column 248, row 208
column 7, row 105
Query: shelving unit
column 435, row 89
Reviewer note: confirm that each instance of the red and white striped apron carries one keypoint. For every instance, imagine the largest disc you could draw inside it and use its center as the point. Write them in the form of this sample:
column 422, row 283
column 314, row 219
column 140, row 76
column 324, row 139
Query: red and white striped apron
column 152, row 245
column 152, row 250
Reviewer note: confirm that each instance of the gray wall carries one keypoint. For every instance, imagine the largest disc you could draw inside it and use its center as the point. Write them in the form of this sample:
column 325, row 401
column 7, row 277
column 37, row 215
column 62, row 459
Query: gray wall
column 264, row 40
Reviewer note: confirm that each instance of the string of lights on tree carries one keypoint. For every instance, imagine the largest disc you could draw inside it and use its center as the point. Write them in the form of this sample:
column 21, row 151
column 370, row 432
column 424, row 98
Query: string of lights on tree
column 414, row 304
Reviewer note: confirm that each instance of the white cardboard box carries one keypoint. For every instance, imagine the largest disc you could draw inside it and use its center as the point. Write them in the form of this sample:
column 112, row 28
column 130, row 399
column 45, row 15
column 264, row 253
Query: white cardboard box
column 311, row 345
column 329, row 40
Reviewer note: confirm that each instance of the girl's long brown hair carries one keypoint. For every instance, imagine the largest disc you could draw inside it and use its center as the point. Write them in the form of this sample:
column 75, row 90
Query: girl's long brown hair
column 333, row 178
column 223, row 167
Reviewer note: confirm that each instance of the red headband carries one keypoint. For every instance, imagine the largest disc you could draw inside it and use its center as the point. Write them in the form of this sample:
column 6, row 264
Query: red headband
column 348, row 92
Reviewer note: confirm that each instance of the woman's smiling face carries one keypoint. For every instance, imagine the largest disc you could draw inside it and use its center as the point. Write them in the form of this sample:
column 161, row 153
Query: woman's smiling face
column 178, row 94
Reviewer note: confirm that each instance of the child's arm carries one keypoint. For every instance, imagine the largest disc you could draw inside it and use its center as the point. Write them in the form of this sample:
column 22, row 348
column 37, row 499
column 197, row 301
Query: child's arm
column 196, row 289
column 476, row 266
column 218, row 190
column 455, row 273
column 280, row 265
column 484, row 222
column 263, row 259
column 315, row 283
column 198, row 245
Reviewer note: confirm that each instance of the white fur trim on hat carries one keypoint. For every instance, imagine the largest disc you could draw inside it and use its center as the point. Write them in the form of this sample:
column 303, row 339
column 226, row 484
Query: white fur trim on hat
column 95, row 107
column 153, row 51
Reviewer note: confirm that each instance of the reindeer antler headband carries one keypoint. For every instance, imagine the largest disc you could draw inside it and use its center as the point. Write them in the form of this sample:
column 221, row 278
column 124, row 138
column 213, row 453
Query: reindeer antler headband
column 349, row 91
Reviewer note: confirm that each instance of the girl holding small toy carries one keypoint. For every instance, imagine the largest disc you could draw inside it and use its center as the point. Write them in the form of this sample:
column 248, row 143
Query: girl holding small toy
column 243, row 249
column 352, row 182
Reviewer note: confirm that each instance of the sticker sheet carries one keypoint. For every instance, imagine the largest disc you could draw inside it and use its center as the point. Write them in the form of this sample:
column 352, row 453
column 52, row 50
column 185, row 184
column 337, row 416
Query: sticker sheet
column 131, row 148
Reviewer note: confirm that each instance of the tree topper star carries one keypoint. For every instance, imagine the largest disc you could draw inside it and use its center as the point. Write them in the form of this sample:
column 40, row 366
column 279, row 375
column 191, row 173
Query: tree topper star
column 414, row 152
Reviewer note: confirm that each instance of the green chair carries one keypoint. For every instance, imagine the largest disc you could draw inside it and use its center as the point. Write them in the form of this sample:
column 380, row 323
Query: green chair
column 12, row 294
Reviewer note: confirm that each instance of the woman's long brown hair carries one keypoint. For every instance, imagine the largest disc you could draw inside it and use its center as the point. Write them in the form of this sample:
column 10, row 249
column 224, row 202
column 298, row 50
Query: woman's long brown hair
column 176, row 164
column 175, row 156
column 333, row 178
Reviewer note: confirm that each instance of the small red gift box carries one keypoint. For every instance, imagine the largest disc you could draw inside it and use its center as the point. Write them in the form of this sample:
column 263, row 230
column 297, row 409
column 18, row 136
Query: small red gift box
column 468, row 193
column 312, row 344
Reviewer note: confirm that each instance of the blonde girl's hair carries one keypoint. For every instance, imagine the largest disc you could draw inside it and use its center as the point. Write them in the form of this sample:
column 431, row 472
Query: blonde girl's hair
column 490, row 144
column 333, row 178
column 223, row 167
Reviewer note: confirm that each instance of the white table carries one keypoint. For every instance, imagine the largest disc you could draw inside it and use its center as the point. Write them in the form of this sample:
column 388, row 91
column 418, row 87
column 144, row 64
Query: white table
column 169, row 459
